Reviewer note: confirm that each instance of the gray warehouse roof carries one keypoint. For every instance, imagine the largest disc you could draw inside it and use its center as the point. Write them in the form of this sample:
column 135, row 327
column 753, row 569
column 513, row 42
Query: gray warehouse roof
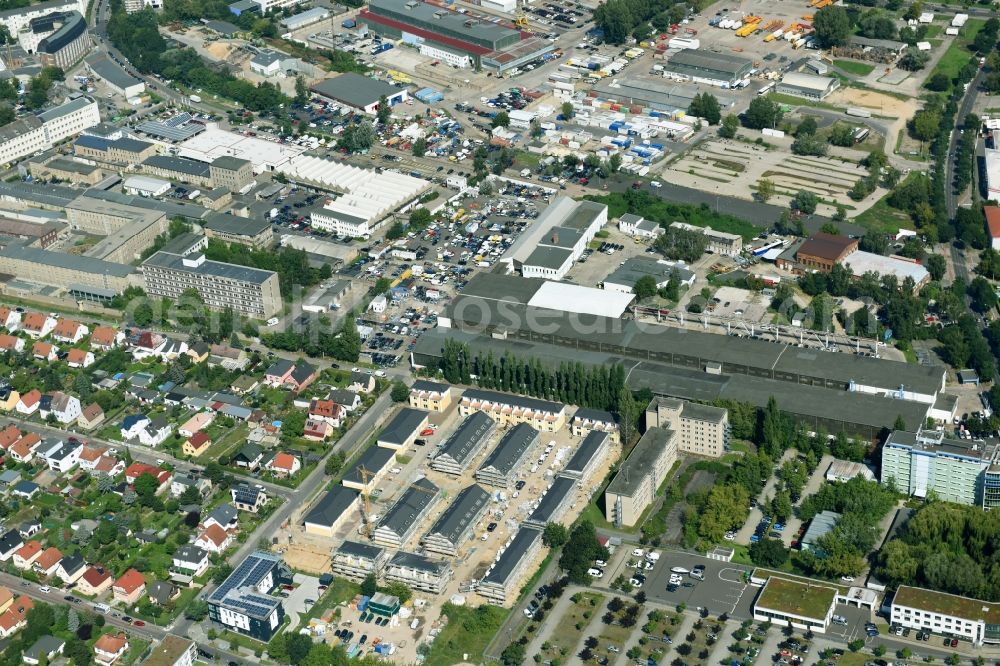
column 374, row 459
column 511, row 558
column 511, row 449
column 178, row 164
column 458, row 518
column 355, row 90
column 701, row 59
column 227, row 223
column 410, row 506
column 103, row 68
column 637, row 267
column 640, row 461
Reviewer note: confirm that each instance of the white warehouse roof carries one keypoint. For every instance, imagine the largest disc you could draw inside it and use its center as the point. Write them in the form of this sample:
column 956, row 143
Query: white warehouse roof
column 215, row 142
column 807, row 81
column 867, row 262
column 366, row 194
column 568, row 297
column 146, row 184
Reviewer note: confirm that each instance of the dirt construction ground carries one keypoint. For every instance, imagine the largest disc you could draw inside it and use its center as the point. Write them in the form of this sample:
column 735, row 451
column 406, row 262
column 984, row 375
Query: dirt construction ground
column 308, row 558
column 880, row 104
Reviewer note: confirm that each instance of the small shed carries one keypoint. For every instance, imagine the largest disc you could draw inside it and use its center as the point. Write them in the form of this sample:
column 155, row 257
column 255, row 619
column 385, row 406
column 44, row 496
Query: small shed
column 384, row 604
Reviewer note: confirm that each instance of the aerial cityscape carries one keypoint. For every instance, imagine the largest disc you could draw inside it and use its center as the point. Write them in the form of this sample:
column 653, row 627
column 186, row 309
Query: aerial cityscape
column 557, row 332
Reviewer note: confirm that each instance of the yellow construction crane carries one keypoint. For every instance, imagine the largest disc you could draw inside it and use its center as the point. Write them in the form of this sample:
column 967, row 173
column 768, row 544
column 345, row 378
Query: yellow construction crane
column 521, row 20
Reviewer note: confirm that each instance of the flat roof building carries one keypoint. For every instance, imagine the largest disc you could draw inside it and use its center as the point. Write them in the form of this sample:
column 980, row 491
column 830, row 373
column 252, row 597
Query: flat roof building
column 924, row 462
column 639, row 476
column 810, row 86
column 500, row 467
column 701, row 66
column 457, row 524
column 588, row 457
column 330, row 511
column 401, row 520
column 623, row 278
column 557, row 238
column 375, row 460
column 242, row 603
column 701, row 430
column 464, row 444
column 992, row 169
column 249, row 291
column 948, row 614
column 253, row 231
column 67, row 271
column 502, row 580
column 116, row 78
column 801, row 604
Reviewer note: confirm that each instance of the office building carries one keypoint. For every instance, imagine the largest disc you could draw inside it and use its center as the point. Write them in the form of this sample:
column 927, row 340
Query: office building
column 500, row 467
column 639, row 476
column 504, row 577
column 123, row 150
column 419, row 572
column 356, row 561
column 701, row 430
column 510, row 409
column 401, row 520
column 457, row 524
column 32, row 134
column 464, row 444
column 19, row 19
column 249, row 291
column 946, row 614
column 359, row 93
column 926, row 461
column 242, row 603
column 798, row 603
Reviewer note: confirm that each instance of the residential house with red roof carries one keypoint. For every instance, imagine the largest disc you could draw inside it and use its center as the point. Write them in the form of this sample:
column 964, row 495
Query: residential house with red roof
column 214, row 539
column 23, row 450
column 69, row 331
column 89, row 455
column 43, row 351
column 15, row 617
column 109, row 648
column 105, row 338
column 10, row 318
column 79, row 358
column 48, row 561
column 37, row 324
column 9, row 435
column 196, row 423
column 94, row 581
column 26, row 555
column 29, row 402
column 11, row 343
column 137, row 469
column 284, row 465
column 129, row 587
column 326, row 410
column 196, row 445
column 109, row 465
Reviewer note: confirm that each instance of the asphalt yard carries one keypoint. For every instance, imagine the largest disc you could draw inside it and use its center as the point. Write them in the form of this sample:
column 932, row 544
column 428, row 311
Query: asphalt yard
column 722, row 591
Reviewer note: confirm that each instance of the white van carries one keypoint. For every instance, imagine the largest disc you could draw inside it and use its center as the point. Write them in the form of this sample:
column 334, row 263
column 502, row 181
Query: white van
column 102, row 608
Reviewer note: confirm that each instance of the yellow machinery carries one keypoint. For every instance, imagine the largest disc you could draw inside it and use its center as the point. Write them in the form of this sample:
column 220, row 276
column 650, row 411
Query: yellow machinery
column 521, row 20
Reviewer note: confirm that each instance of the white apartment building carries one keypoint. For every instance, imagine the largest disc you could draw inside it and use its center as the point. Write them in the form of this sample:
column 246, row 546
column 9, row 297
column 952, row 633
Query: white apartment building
column 133, row 6
column 461, row 60
column 701, row 429
column 27, row 136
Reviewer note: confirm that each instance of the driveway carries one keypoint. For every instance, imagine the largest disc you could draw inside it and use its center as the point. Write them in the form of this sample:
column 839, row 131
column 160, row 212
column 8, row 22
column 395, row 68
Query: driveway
column 306, row 587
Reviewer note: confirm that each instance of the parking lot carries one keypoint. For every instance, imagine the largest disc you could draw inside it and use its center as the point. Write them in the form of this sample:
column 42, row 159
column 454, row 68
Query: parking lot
column 300, row 599
column 722, row 591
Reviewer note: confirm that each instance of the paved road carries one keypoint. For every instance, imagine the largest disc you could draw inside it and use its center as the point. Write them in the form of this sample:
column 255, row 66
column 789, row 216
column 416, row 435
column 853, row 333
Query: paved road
column 964, row 108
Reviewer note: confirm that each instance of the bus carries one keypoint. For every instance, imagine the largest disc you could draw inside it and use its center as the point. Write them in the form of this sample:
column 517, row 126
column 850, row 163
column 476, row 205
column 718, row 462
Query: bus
column 860, row 134
column 766, row 89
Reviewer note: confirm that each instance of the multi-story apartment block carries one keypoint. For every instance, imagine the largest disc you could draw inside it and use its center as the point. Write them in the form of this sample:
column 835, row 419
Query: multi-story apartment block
column 249, row 291
column 464, row 444
column 419, row 572
column 510, row 409
column 634, row 486
column 19, row 19
column 358, row 560
column 926, row 461
column 502, row 580
column 27, row 136
column 243, row 603
column 457, row 523
column 701, row 429
column 499, row 467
